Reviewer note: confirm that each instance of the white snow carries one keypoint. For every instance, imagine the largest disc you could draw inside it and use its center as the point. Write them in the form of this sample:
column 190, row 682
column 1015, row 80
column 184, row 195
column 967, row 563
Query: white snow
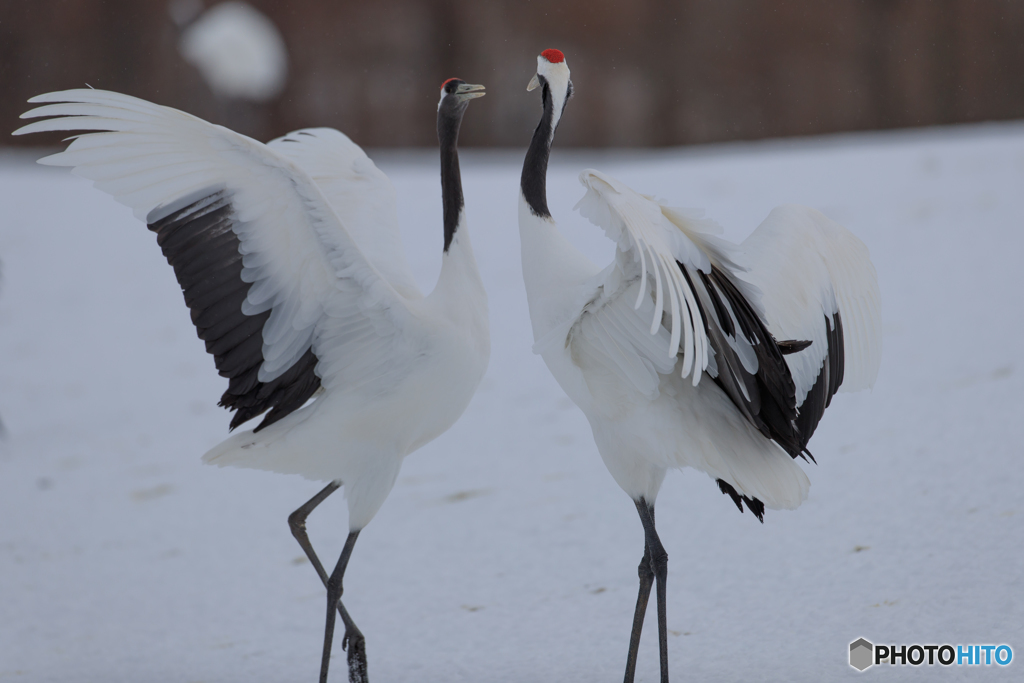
column 238, row 50
column 506, row 552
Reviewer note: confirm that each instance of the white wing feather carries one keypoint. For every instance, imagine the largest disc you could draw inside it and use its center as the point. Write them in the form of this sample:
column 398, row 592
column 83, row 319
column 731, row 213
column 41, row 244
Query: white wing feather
column 648, row 246
column 360, row 194
column 808, row 267
column 302, row 262
column 611, row 334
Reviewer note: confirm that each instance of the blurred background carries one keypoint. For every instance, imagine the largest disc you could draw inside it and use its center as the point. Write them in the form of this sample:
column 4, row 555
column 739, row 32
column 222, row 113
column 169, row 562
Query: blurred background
column 647, row 72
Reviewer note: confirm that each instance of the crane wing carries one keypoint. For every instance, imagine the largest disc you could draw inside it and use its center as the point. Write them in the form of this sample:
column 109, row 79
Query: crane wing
column 650, row 247
column 675, row 277
column 360, row 194
column 818, row 284
column 612, row 342
column 277, row 286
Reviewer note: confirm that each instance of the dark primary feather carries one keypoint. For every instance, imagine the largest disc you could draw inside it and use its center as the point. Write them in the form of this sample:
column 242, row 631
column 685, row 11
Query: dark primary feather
column 755, row 506
column 789, row 346
column 771, row 407
column 766, row 398
column 829, row 379
column 198, row 241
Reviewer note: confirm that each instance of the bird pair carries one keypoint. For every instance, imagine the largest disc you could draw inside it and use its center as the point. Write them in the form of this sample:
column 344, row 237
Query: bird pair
column 686, row 350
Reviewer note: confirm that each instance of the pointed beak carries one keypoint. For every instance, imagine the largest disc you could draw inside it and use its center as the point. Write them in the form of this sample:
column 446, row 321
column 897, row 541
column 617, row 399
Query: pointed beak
column 467, row 91
column 534, row 83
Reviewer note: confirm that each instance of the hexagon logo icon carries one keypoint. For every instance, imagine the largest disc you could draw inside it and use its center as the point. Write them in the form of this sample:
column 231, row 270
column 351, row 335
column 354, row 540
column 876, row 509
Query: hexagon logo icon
column 861, row 654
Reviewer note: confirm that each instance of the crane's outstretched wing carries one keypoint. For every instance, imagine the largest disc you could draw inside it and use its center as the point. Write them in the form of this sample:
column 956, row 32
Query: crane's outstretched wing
column 360, row 194
column 676, row 275
column 818, row 284
column 277, row 287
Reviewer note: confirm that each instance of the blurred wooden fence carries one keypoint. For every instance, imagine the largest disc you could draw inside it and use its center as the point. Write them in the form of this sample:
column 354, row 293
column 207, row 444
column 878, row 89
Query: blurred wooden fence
column 647, row 72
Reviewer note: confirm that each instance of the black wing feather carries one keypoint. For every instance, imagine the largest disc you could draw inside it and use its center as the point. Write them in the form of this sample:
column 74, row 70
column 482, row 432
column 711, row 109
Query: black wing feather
column 199, row 242
column 755, row 506
column 792, row 346
column 766, row 398
column 825, row 386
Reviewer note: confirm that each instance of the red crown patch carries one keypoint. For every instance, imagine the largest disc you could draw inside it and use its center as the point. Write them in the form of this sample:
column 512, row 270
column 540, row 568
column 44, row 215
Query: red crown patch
column 553, row 56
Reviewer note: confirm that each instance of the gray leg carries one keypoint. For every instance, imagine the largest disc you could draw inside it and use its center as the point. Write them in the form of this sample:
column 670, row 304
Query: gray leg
column 646, row 580
column 659, row 565
column 353, row 640
column 297, row 522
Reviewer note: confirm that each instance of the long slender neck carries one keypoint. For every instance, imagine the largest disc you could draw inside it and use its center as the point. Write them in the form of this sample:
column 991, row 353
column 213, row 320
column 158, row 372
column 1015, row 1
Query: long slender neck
column 553, row 269
column 535, row 167
column 459, row 290
column 448, row 122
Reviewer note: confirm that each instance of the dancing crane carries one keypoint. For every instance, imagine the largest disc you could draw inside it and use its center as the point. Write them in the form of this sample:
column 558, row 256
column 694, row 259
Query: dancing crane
column 289, row 257
column 689, row 351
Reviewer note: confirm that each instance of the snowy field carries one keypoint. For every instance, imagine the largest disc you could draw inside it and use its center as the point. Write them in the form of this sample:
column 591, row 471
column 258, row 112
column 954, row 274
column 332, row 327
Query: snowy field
column 506, row 553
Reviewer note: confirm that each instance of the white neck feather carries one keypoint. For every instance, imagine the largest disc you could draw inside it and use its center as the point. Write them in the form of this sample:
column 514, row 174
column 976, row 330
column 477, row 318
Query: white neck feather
column 460, row 290
column 553, row 270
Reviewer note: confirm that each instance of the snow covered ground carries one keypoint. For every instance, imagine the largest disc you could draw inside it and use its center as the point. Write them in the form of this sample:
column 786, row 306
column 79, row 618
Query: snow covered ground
column 506, row 552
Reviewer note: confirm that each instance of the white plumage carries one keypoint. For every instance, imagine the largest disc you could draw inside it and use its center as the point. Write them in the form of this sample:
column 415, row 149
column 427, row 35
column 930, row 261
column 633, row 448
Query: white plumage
column 806, row 265
column 290, row 258
column 690, row 351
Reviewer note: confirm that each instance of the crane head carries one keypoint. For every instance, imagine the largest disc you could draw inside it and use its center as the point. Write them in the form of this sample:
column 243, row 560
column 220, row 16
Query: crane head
column 459, row 91
column 552, row 67
column 553, row 72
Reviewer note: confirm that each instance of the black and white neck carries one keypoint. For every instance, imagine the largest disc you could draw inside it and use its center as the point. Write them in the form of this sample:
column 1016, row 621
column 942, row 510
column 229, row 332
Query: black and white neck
column 459, row 292
column 553, row 268
column 455, row 97
column 556, row 89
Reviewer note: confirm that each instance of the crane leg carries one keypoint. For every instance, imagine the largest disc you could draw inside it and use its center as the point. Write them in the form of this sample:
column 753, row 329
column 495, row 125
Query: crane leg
column 353, row 640
column 659, row 565
column 297, row 522
column 646, row 580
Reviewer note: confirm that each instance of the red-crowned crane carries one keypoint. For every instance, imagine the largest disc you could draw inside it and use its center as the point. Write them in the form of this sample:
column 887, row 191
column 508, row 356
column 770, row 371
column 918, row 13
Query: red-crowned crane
column 689, row 351
column 290, row 259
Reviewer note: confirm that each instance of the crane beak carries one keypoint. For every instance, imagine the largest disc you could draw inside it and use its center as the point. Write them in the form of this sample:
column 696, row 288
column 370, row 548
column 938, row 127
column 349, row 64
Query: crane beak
column 534, row 83
column 467, row 91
